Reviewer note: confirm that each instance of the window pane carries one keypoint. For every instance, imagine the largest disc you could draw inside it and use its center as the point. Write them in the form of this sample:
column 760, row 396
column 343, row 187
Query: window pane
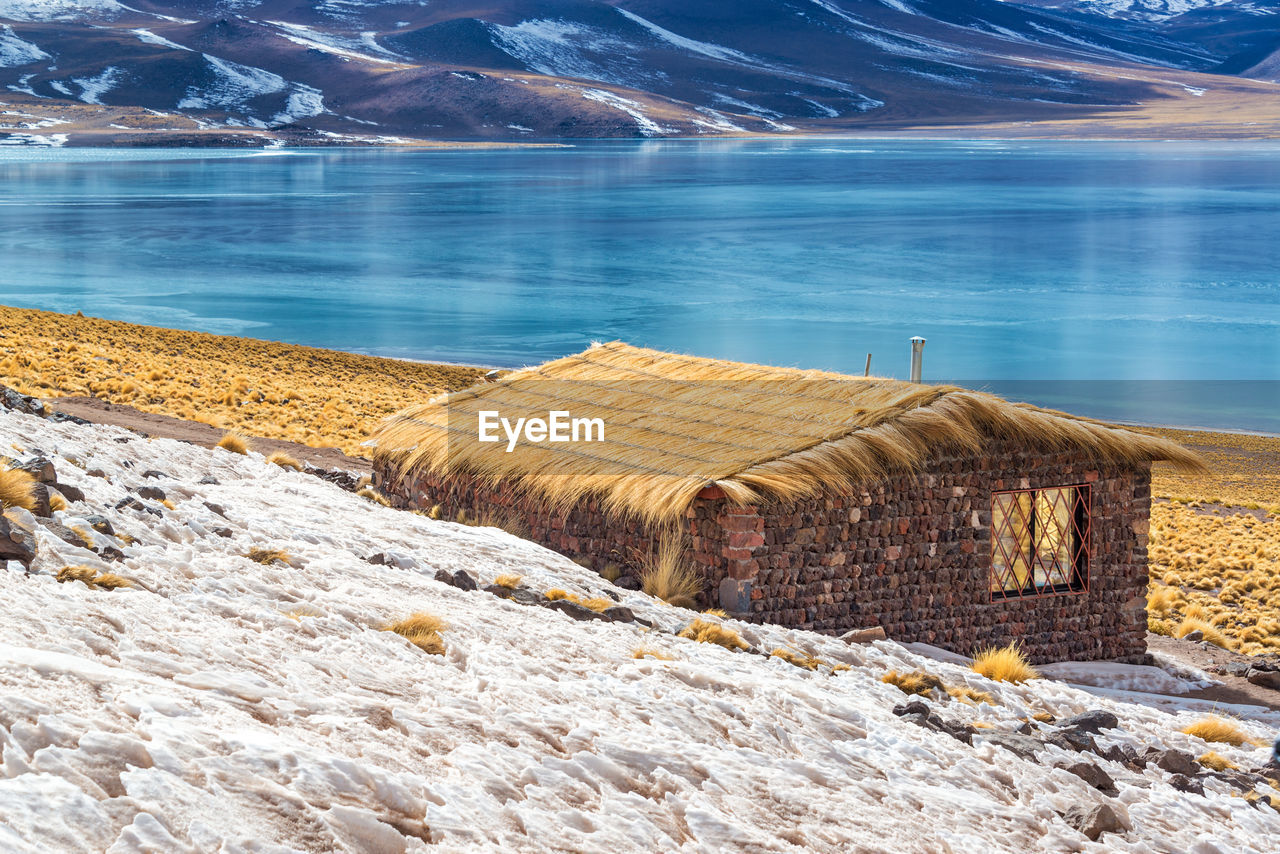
column 1036, row 541
column 1011, row 552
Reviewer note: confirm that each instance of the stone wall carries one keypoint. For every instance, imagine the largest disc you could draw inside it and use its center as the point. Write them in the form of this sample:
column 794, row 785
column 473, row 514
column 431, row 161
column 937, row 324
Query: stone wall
column 911, row 554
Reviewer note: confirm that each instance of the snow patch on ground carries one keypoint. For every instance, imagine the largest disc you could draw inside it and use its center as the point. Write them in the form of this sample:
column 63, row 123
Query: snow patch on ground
column 560, row 48
column 1122, row 677
column 93, row 88
column 225, row 705
column 365, row 48
column 714, row 51
column 15, row 51
column 236, row 85
column 59, row 10
column 148, row 37
column 37, row 140
column 647, row 126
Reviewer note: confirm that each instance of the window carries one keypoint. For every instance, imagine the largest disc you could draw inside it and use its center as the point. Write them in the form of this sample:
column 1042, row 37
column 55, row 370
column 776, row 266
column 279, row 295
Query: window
column 1039, row 542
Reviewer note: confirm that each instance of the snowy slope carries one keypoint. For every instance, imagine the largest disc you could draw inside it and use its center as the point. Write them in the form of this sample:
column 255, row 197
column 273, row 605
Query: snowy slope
column 225, row 705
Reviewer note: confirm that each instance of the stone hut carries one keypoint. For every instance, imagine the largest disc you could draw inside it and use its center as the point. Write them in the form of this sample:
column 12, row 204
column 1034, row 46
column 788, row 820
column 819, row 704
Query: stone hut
column 808, row 499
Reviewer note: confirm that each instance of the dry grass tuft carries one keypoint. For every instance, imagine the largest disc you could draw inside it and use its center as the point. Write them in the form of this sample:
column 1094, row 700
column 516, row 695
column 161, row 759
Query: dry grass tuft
column 915, row 682
column 651, row 652
column 81, row 573
column 267, row 557
column 57, row 501
column 1006, row 664
column 1216, row 762
column 111, row 581
column 556, row 593
column 16, row 488
column 422, row 630
column 235, row 443
column 1218, row 730
column 511, row 582
column 799, row 659
column 597, row 603
column 373, row 495
column 1211, row 633
column 665, row 574
column 280, row 458
column 970, row 695
column 704, row 631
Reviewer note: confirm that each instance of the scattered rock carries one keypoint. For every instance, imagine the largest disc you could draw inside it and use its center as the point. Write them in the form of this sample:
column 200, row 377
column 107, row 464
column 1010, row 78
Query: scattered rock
column 1073, row 739
column 1183, row 783
column 1094, row 720
column 96, row 473
column 111, row 553
column 619, row 614
column 918, row 713
column 1175, row 762
column 1195, row 636
column 209, row 480
column 69, row 492
column 525, row 596
column 151, row 493
column 628, row 582
column 131, row 503
column 101, row 524
column 1264, row 678
column 62, row 532
column 120, row 440
column 574, row 610
column 1025, row 746
column 1093, row 821
column 16, row 542
column 380, row 559
column 40, row 468
column 40, row 495
column 156, row 475
column 225, row 533
column 216, row 508
column 1094, row 776
column 18, row 402
column 864, row 635
column 460, row 579
column 499, row 591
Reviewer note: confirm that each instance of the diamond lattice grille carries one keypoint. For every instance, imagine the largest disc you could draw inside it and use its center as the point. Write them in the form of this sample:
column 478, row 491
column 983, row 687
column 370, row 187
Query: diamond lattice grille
column 1039, row 541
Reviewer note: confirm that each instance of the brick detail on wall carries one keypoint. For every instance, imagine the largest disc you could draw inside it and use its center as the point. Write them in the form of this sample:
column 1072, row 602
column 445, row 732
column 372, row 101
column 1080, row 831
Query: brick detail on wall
column 911, row 554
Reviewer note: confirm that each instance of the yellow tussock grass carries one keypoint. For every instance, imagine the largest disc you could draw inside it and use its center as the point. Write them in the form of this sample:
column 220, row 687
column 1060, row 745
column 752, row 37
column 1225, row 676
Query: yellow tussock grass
column 1004, row 664
column 267, row 557
column 704, row 631
column 235, row 443
column 373, row 495
column 16, row 487
column 915, row 682
column 83, row 574
column 511, row 581
column 1216, row 762
column 280, row 458
column 651, row 652
column 1219, row 730
column 1211, row 633
column 666, row 575
column 57, row 501
column 970, row 695
column 422, row 630
column 597, row 603
column 111, row 581
column 556, row 593
column 716, row 612
column 799, row 659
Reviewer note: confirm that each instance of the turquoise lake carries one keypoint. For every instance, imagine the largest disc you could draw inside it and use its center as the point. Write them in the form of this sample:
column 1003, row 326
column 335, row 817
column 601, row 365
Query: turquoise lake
column 1138, row 281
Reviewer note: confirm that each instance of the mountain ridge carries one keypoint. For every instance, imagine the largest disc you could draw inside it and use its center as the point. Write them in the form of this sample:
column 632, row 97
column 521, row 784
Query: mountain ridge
column 346, row 71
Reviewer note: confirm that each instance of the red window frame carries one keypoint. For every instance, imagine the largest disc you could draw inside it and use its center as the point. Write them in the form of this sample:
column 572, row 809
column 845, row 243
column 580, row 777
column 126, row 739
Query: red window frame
column 1040, row 555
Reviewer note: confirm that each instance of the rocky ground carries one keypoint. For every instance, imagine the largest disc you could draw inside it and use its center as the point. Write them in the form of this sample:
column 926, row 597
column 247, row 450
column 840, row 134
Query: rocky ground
column 193, row 657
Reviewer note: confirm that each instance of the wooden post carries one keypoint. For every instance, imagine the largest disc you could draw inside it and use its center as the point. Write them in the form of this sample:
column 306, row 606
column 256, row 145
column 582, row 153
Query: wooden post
column 867, row 371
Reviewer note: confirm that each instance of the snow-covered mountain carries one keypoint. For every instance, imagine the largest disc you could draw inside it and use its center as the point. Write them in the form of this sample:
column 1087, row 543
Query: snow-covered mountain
column 222, row 703
column 580, row 68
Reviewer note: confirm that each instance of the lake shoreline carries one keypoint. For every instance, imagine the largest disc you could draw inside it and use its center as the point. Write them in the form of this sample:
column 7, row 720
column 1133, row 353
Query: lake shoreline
column 253, row 401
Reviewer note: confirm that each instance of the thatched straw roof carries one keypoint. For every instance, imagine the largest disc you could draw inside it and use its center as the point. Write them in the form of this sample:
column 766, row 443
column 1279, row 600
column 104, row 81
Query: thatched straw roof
column 676, row 424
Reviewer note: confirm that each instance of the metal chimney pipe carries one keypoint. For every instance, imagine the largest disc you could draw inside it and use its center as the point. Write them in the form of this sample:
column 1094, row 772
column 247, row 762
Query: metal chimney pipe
column 917, row 358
